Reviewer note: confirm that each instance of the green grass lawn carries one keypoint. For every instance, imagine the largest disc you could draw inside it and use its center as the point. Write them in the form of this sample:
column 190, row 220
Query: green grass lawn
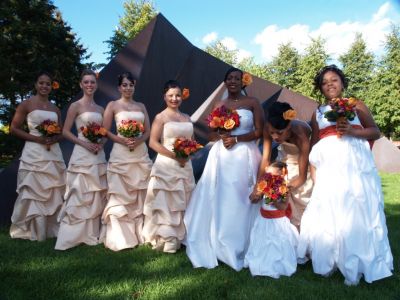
column 34, row 270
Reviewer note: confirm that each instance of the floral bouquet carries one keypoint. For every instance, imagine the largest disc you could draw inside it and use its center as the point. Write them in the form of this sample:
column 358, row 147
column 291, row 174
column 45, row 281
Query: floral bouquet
column 342, row 109
column 273, row 188
column 130, row 129
column 48, row 128
column 93, row 132
column 223, row 118
column 184, row 147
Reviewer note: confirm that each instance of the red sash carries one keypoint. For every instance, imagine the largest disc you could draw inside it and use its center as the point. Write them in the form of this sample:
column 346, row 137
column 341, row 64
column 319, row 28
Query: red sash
column 274, row 214
column 331, row 130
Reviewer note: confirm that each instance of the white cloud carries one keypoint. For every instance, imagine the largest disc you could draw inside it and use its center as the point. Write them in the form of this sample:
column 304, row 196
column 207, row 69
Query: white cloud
column 210, row 37
column 338, row 36
column 229, row 43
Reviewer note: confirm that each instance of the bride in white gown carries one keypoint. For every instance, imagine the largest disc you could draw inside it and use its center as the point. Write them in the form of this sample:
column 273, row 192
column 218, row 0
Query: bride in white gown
column 220, row 215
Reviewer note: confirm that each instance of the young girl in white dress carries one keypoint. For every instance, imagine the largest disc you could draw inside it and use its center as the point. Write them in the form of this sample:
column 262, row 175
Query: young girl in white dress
column 344, row 224
column 273, row 239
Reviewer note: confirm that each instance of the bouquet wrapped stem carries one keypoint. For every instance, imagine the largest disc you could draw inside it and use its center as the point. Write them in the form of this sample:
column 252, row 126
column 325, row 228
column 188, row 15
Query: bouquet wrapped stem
column 93, row 132
column 130, row 129
column 184, row 147
column 48, row 128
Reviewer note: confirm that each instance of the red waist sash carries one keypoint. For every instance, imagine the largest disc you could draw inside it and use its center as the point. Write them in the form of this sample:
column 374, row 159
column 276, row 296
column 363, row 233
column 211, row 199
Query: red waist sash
column 274, row 214
column 331, row 130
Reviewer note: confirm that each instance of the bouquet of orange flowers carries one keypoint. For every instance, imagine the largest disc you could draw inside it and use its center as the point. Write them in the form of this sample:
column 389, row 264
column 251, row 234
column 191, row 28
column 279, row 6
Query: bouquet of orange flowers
column 48, row 128
column 93, row 132
column 273, row 188
column 341, row 108
column 184, row 147
column 223, row 118
column 130, row 129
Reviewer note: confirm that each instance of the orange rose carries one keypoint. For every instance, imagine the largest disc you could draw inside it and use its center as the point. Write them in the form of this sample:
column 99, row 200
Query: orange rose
column 283, row 189
column 185, row 93
column 55, row 85
column 289, row 114
column 352, row 101
column 215, row 122
column 52, row 129
column 85, row 130
column 229, row 124
column 103, row 131
column 261, row 186
column 247, row 79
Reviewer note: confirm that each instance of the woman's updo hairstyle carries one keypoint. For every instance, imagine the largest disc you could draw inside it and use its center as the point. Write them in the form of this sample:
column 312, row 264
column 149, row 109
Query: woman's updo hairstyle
column 127, row 75
column 45, row 73
column 276, row 115
column 318, row 79
column 171, row 84
column 88, row 72
column 231, row 70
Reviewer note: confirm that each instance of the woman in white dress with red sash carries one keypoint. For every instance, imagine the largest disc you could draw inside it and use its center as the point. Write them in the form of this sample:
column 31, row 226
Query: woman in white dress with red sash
column 344, row 224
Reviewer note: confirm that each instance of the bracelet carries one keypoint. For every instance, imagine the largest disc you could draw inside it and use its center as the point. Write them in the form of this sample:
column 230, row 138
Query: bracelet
column 236, row 141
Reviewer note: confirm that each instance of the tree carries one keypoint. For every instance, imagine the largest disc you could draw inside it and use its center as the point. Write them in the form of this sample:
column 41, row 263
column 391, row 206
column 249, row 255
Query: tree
column 385, row 88
column 358, row 65
column 311, row 62
column 137, row 15
column 34, row 37
column 283, row 67
column 220, row 51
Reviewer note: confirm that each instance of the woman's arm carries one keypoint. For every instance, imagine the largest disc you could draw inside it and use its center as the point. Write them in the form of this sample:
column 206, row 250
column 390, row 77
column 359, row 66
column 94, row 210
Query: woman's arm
column 370, row 130
column 146, row 125
column 18, row 121
column 314, row 130
column 108, row 118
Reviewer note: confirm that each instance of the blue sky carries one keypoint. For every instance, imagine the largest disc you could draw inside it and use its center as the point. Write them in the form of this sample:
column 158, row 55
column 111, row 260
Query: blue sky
column 253, row 27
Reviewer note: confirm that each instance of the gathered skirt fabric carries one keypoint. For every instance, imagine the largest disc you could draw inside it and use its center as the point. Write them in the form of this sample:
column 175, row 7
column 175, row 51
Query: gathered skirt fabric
column 128, row 174
column 344, row 224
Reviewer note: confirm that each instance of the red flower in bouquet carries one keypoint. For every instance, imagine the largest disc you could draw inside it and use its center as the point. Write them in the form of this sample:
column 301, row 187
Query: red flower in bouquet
column 130, row 129
column 223, row 118
column 342, row 109
column 93, row 132
column 48, row 128
column 184, row 147
column 272, row 187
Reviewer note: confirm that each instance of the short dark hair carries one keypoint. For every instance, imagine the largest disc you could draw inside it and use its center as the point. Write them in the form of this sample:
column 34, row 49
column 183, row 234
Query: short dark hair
column 320, row 76
column 275, row 115
column 43, row 72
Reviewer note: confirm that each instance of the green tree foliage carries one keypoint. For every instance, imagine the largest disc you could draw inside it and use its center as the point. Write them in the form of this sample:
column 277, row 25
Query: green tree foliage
column 34, row 37
column 220, row 51
column 137, row 15
column 385, row 88
column 311, row 62
column 283, row 67
column 358, row 65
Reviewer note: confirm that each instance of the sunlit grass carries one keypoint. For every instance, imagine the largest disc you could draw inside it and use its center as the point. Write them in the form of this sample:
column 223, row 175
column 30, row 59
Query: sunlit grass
column 34, row 270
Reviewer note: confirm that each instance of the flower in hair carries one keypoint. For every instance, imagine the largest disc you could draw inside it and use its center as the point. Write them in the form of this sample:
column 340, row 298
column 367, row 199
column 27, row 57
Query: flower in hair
column 97, row 75
column 55, row 85
column 185, row 93
column 246, row 79
column 290, row 114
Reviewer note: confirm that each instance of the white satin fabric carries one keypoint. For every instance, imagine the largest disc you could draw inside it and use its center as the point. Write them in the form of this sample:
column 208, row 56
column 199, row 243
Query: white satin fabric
column 220, row 215
column 85, row 195
column 273, row 245
column 128, row 174
column 344, row 224
column 40, row 185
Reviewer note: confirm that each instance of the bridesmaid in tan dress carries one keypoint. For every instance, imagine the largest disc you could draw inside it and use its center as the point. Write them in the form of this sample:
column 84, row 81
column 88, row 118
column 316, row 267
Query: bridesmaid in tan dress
column 293, row 137
column 171, row 180
column 41, row 173
column 128, row 171
column 86, row 183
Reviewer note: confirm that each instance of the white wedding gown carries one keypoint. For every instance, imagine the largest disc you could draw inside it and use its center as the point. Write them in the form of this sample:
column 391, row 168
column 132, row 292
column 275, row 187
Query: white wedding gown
column 220, row 215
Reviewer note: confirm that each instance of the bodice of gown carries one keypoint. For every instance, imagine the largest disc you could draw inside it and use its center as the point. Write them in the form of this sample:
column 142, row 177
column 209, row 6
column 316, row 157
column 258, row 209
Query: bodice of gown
column 246, row 122
column 37, row 152
column 173, row 130
column 288, row 152
column 120, row 153
column 323, row 122
column 81, row 155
